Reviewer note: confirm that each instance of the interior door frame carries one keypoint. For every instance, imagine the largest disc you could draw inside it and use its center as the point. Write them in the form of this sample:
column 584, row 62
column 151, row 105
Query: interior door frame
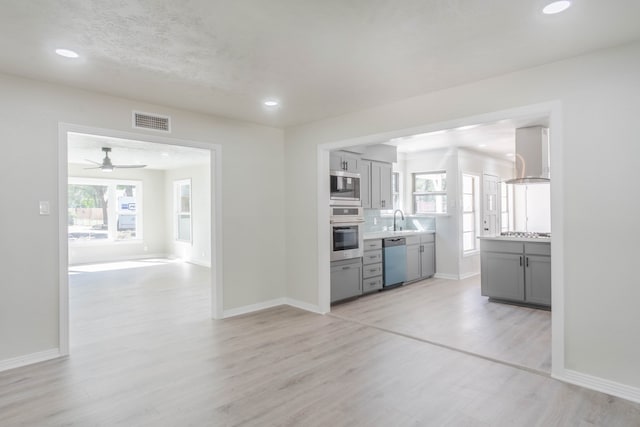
column 551, row 109
column 215, row 176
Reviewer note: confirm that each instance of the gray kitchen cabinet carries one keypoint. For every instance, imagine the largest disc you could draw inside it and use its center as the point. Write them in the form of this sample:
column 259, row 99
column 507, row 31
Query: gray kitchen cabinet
column 346, row 279
column 516, row 271
column 381, row 196
column 428, row 259
column 413, row 262
column 364, row 168
column 344, row 161
column 421, row 260
column 372, row 266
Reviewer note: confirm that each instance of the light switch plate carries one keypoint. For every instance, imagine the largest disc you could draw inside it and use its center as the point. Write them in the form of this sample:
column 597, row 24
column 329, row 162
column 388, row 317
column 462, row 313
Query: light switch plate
column 44, row 207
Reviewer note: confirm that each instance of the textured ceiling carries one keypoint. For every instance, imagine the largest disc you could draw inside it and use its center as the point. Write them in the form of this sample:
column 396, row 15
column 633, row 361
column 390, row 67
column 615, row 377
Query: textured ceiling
column 320, row 58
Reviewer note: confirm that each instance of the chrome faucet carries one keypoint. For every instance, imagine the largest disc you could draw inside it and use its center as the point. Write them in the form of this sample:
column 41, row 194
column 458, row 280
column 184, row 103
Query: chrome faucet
column 394, row 217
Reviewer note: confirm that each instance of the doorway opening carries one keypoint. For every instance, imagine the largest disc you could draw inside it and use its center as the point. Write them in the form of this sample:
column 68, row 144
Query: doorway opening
column 465, row 257
column 139, row 230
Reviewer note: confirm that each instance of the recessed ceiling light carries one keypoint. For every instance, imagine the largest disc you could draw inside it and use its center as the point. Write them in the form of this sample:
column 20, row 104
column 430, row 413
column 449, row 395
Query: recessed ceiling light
column 271, row 103
column 467, row 127
column 482, row 145
column 164, row 154
column 510, row 154
column 67, row 53
column 556, row 7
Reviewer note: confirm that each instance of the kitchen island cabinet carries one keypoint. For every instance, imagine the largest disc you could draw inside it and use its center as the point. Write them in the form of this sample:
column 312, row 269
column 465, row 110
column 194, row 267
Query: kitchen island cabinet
column 516, row 270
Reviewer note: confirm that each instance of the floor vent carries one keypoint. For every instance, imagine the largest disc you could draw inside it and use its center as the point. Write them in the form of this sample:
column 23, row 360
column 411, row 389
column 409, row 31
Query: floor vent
column 151, row 121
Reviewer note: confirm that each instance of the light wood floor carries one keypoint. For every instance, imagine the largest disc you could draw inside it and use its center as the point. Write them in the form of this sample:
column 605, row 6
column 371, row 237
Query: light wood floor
column 454, row 314
column 145, row 353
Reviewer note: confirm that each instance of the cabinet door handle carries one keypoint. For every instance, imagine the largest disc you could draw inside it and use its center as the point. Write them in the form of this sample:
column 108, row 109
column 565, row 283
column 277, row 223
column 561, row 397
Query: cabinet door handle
column 421, row 248
column 520, row 261
column 527, row 261
column 371, row 270
column 346, row 268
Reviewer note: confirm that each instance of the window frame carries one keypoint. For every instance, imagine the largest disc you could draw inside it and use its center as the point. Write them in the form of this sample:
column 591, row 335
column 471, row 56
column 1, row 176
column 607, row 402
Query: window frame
column 415, row 193
column 475, row 184
column 112, row 209
column 178, row 184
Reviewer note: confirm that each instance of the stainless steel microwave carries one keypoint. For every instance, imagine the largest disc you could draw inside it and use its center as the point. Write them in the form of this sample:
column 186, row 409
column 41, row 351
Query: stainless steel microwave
column 344, row 188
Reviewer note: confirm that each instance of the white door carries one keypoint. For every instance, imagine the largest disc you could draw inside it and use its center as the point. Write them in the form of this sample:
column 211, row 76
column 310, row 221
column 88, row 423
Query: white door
column 490, row 210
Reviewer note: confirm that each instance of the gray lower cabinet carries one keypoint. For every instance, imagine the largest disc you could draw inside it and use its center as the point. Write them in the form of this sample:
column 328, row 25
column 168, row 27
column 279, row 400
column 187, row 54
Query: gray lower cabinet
column 346, row 279
column 421, row 260
column 372, row 266
column 516, row 271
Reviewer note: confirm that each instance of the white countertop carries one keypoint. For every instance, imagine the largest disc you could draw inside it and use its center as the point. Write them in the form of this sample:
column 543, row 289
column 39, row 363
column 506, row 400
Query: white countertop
column 517, row 239
column 386, row 234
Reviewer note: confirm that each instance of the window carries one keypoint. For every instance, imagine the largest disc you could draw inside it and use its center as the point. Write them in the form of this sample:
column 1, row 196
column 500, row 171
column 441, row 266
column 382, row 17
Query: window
column 183, row 210
column 469, row 212
column 430, row 193
column 104, row 209
column 506, row 199
column 395, row 189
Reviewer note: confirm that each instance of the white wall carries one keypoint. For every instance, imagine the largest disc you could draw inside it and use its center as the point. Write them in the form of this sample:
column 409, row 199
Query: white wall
column 154, row 230
column 198, row 250
column 446, row 225
column 599, row 95
column 30, row 113
column 474, row 163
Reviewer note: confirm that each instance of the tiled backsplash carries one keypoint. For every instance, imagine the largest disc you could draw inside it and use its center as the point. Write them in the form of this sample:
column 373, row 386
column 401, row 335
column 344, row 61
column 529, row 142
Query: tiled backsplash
column 375, row 221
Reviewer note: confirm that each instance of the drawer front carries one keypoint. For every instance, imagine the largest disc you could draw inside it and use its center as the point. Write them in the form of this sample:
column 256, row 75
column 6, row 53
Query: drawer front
column 372, row 257
column 497, row 246
column 372, row 270
column 537, row 248
column 412, row 240
column 371, row 285
column 427, row 238
column 372, row 244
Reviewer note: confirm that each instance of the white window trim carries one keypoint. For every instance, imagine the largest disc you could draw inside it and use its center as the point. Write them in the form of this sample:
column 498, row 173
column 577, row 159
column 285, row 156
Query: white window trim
column 476, row 217
column 177, row 184
column 113, row 211
column 414, row 193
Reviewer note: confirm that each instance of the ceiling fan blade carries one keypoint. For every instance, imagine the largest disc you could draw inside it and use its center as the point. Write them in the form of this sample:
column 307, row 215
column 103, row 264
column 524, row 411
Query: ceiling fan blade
column 91, row 161
column 95, row 167
column 129, row 166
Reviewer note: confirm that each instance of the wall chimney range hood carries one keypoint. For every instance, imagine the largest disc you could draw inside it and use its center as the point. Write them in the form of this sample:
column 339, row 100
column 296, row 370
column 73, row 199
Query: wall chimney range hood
column 532, row 156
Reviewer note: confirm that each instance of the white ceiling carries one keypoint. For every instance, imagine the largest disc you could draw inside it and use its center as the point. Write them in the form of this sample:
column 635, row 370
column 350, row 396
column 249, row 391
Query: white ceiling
column 320, row 58
column 496, row 139
column 82, row 147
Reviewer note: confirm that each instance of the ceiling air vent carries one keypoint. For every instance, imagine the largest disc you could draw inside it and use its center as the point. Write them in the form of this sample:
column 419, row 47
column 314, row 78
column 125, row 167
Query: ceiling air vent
column 151, row 121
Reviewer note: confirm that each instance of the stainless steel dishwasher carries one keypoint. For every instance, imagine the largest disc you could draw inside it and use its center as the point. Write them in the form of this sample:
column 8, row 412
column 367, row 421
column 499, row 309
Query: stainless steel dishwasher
column 394, row 261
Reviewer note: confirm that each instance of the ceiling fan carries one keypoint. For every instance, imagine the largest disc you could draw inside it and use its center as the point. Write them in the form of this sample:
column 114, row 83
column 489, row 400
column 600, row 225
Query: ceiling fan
column 106, row 164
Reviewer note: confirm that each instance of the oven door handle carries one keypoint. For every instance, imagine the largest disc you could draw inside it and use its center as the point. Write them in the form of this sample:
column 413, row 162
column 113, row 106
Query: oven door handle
column 350, row 221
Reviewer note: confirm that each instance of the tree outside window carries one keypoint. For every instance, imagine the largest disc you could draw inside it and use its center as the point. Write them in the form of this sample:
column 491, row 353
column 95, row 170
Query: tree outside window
column 469, row 212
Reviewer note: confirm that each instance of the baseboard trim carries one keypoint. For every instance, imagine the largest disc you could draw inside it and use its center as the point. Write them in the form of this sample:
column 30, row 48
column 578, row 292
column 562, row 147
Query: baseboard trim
column 253, row 307
column 29, row 359
column 445, row 276
column 200, row 263
column 599, row 384
column 467, row 275
column 303, row 305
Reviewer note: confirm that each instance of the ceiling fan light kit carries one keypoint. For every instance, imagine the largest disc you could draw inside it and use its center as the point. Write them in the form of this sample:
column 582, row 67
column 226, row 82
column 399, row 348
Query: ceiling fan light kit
column 108, row 166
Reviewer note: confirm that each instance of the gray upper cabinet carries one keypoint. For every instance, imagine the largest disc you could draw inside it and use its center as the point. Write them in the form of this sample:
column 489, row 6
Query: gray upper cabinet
column 364, row 168
column 341, row 160
column 516, row 271
column 381, row 196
